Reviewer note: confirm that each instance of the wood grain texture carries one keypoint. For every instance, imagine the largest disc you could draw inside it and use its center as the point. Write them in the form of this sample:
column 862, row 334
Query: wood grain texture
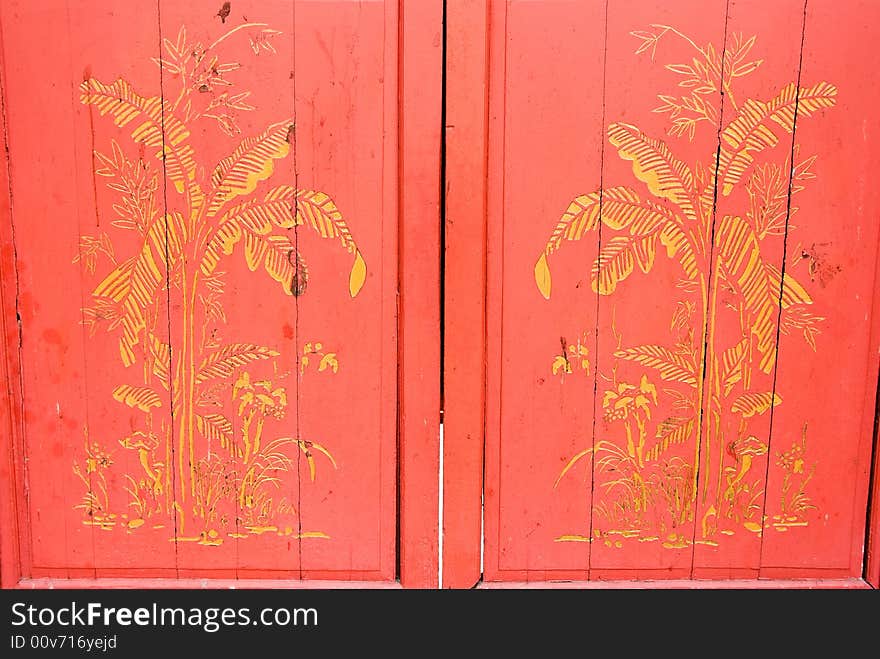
column 421, row 32
column 211, row 392
column 14, row 540
column 728, row 344
column 467, row 30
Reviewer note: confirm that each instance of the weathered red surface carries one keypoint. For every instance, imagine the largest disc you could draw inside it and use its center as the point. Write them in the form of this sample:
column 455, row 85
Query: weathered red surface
column 659, row 414
column 209, row 340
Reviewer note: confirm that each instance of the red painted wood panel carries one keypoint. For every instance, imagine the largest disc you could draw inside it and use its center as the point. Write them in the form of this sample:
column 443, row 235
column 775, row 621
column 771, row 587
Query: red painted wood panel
column 206, row 269
column 421, row 37
column 697, row 402
column 465, row 188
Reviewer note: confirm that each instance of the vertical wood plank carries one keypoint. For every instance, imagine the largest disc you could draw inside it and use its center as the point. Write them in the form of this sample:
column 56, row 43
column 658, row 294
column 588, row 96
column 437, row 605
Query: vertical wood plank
column 734, row 460
column 45, row 232
column 14, row 527
column 821, row 437
column 651, row 312
column 100, row 53
column 467, row 32
column 552, row 139
column 348, row 144
column 420, row 83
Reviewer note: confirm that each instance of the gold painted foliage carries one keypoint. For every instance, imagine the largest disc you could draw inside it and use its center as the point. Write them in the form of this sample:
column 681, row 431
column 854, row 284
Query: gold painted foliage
column 163, row 302
column 730, row 272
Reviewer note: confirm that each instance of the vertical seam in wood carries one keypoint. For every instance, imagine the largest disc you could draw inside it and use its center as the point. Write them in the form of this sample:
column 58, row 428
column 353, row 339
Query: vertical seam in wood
column 707, row 310
column 782, row 275
column 175, row 507
column 16, row 405
column 598, row 296
column 296, row 303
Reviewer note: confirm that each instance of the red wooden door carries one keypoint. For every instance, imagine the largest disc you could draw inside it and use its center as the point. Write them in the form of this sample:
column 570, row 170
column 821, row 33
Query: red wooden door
column 203, row 251
column 680, row 290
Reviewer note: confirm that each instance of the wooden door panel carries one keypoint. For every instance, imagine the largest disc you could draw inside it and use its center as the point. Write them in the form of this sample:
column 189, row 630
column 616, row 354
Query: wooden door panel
column 680, row 380
column 205, row 228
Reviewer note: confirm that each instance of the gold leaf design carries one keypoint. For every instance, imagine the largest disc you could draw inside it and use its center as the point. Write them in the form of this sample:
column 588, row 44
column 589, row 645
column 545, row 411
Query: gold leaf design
column 621, row 208
column 275, row 254
column 329, row 361
column 160, row 353
column 751, row 404
column 252, row 162
column 218, row 428
column 307, row 447
column 749, row 133
column 158, row 128
column 654, row 165
column 739, row 252
column 618, row 258
column 764, row 301
column 672, row 430
column 678, row 245
column 572, row 462
column 177, row 259
column 312, row 208
column 142, row 398
column 582, row 215
column 561, row 364
column 358, row 275
column 133, row 284
column 668, row 364
column 223, row 362
column 542, row 276
column 792, row 291
column 317, row 210
column 734, row 365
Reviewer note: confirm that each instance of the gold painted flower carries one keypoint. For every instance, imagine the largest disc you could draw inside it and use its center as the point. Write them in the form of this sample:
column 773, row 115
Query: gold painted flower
column 97, row 457
column 627, row 398
column 792, row 460
column 260, row 395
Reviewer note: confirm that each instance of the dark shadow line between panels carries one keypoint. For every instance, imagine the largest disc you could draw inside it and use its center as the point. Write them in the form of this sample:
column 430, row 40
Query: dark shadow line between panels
column 783, row 267
column 399, row 293
column 872, row 539
column 701, row 396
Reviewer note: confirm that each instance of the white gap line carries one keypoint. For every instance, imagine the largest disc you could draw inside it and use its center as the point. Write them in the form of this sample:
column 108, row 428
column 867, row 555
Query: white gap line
column 440, row 515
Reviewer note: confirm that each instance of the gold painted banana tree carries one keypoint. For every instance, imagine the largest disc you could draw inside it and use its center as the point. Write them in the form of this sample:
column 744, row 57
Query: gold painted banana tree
column 728, row 252
column 183, row 235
